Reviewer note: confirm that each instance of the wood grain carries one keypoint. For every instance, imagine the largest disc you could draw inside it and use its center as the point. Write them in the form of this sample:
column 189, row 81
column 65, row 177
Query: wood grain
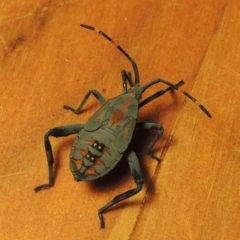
column 47, row 61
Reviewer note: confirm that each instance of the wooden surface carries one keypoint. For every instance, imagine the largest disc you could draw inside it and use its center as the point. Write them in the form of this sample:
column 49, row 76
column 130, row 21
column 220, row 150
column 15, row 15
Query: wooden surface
column 47, row 61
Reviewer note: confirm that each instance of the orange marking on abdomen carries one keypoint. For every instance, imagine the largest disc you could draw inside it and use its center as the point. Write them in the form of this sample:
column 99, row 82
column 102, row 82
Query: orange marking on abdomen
column 90, row 171
column 78, row 163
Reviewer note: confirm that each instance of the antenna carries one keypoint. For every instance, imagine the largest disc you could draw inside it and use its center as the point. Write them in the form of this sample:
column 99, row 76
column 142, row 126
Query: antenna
column 134, row 65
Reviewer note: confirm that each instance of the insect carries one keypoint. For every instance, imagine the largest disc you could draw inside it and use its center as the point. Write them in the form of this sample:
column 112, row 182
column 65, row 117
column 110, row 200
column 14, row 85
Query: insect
column 104, row 139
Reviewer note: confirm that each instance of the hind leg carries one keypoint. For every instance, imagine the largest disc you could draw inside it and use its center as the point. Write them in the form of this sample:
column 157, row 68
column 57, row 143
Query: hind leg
column 137, row 175
column 55, row 132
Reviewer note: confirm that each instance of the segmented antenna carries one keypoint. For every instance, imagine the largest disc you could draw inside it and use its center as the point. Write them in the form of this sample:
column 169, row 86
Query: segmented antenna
column 136, row 73
column 160, row 93
column 174, row 87
column 195, row 100
column 134, row 65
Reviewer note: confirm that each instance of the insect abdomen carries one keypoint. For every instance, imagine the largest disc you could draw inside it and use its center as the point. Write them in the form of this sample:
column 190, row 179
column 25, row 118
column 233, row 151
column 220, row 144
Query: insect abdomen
column 93, row 154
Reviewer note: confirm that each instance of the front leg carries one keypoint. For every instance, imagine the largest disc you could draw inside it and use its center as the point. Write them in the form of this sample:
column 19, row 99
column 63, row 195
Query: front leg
column 95, row 93
column 55, row 132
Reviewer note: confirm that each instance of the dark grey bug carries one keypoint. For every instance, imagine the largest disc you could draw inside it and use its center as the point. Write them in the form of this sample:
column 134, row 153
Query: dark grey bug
column 103, row 140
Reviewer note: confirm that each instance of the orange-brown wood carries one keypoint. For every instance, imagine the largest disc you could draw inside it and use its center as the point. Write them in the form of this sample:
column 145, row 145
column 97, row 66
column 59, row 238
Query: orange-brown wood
column 47, row 61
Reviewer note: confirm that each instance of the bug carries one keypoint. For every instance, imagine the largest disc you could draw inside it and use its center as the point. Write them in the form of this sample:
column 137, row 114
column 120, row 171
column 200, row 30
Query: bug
column 104, row 139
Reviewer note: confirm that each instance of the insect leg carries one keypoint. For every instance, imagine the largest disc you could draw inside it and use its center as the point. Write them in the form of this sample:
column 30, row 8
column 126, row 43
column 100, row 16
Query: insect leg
column 95, row 93
column 126, row 77
column 155, row 126
column 55, row 132
column 137, row 175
